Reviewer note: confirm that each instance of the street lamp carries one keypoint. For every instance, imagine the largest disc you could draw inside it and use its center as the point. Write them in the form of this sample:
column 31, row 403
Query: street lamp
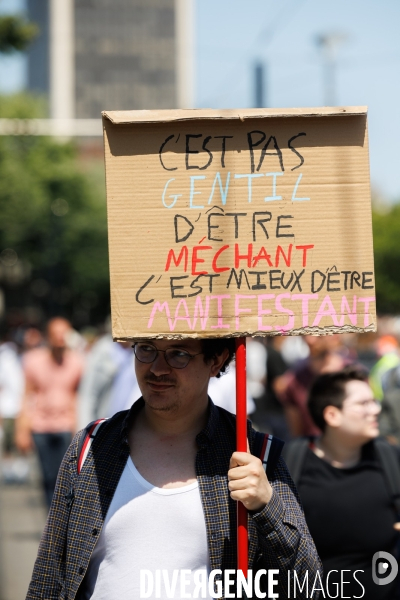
column 328, row 44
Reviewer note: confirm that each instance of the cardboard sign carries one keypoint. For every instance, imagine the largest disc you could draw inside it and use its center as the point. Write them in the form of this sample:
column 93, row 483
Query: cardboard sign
column 227, row 223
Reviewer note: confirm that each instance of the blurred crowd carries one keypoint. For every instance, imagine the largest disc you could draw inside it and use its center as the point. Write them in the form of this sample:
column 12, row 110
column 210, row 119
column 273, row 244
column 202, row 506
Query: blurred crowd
column 56, row 380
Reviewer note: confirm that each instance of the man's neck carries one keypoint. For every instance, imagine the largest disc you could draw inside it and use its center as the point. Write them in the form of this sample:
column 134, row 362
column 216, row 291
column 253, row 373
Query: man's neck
column 163, row 446
column 57, row 354
column 340, row 453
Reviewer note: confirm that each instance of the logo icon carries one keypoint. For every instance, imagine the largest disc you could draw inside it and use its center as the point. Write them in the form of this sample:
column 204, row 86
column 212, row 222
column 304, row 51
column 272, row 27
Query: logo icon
column 380, row 568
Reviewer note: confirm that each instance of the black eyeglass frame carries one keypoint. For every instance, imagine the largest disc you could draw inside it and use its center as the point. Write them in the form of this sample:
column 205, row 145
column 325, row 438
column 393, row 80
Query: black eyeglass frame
column 189, row 356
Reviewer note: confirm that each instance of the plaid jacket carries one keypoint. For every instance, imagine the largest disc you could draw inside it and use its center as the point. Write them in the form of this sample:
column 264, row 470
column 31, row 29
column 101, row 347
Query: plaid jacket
column 278, row 535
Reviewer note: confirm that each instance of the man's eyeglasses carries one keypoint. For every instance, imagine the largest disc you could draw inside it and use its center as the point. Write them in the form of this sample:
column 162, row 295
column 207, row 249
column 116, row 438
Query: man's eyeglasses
column 174, row 357
column 364, row 404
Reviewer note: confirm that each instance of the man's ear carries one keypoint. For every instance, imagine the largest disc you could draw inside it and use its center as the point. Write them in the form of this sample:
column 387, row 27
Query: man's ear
column 218, row 362
column 332, row 416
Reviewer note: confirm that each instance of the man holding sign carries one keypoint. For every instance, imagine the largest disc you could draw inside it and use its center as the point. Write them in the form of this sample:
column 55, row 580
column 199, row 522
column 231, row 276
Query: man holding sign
column 221, row 223
column 153, row 512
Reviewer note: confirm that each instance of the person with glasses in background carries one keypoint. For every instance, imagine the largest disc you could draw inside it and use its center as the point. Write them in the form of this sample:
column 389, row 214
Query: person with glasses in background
column 346, row 481
column 158, row 489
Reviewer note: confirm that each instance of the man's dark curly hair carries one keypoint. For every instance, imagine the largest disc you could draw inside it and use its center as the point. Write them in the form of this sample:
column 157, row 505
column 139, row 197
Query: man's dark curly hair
column 329, row 390
column 213, row 347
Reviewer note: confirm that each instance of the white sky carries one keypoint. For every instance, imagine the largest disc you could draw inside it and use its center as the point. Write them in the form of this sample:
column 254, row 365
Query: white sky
column 232, row 34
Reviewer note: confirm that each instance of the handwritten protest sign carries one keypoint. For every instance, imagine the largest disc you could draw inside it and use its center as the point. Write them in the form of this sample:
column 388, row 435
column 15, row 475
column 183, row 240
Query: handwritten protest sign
column 226, row 223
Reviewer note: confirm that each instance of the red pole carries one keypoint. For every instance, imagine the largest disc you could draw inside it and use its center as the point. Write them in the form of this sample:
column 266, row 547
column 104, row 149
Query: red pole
column 241, row 446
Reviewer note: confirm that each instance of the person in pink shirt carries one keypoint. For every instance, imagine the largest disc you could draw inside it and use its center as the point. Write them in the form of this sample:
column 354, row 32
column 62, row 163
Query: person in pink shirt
column 48, row 414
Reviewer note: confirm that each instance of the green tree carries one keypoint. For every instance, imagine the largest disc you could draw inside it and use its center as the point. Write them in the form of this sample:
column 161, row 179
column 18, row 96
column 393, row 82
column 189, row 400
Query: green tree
column 15, row 33
column 53, row 231
column 386, row 229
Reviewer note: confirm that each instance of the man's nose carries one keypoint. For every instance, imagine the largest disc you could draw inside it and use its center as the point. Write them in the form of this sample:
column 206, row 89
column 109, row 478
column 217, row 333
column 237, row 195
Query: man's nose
column 377, row 407
column 160, row 365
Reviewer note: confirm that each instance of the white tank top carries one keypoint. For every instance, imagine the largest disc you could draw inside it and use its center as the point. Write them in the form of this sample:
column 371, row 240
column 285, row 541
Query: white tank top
column 148, row 529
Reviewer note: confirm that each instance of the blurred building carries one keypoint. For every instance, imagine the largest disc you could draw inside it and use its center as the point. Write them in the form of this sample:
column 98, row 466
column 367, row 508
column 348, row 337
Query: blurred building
column 93, row 55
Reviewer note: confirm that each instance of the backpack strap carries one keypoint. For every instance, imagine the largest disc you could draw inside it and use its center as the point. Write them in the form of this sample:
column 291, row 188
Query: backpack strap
column 294, row 455
column 86, row 441
column 268, row 448
column 389, row 461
